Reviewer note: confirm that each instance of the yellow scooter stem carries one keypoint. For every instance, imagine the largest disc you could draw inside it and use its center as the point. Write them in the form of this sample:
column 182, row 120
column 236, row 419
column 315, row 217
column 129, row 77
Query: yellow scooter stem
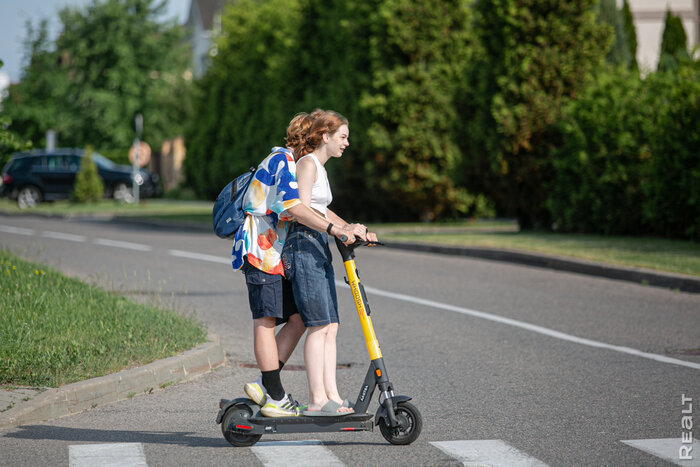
column 358, row 295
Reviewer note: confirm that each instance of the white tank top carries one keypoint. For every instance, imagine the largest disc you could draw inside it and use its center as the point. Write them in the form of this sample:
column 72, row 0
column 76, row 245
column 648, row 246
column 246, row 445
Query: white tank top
column 321, row 195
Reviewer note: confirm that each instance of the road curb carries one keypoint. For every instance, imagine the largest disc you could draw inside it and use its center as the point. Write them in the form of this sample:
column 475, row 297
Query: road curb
column 85, row 395
column 640, row 276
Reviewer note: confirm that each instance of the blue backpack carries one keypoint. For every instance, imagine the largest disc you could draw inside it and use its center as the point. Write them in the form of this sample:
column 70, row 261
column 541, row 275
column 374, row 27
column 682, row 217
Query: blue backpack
column 228, row 215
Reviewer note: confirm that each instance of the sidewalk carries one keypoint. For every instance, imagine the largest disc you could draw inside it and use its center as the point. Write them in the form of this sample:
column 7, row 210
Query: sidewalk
column 25, row 405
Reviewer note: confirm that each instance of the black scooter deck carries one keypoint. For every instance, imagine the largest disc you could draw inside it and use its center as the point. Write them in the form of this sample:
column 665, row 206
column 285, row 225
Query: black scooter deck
column 260, row 419
column 352, row 422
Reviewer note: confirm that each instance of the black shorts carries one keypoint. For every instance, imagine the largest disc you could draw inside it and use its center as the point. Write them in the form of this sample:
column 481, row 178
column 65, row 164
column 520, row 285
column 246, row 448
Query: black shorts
column 269, row 295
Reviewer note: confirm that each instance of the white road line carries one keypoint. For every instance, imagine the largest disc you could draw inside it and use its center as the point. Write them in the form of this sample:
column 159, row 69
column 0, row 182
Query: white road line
column 112, row 455
column 309, row 452
column 63, row 236
column 668, row 449
column 200, row 256
column 528, row 326
column 119, row 244
column 491, row 452
column 16, row 230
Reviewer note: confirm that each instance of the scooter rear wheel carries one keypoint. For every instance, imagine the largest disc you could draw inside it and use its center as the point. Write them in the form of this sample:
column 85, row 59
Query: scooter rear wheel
column 235, row 415
column 410, row 425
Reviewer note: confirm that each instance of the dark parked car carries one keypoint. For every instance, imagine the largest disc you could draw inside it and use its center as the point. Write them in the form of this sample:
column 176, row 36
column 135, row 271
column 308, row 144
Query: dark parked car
column 35, row 176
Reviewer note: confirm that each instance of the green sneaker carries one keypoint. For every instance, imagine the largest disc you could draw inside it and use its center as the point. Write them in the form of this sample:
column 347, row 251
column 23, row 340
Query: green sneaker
column 256, row 391
column 287, row 407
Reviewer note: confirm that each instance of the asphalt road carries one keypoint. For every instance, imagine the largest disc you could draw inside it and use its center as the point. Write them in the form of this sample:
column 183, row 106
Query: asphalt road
column 502, row 360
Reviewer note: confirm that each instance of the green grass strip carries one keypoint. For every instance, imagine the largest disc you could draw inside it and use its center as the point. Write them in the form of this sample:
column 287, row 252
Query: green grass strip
column 674, row 256
column 106, row 207
column 57, row 330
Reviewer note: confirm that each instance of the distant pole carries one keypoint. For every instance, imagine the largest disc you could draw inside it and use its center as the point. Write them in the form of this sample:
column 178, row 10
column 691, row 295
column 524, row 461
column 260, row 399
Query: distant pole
column 50, row 140
column 138, row 121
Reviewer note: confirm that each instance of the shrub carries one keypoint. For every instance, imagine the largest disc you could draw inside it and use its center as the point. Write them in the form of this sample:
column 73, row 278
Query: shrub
column 672, row 185
column 88, row 184
column 629, row 159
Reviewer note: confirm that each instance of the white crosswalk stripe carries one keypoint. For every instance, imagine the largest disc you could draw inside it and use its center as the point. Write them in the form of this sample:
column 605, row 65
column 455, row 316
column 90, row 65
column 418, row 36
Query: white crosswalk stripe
column 295, row 453
column 313, row 453
column 670, row 449
column 491, row 452
column 107, row 455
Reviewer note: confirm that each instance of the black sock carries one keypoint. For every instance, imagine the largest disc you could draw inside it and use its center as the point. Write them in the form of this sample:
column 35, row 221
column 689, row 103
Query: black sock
column 281, row 364
column 273, row 384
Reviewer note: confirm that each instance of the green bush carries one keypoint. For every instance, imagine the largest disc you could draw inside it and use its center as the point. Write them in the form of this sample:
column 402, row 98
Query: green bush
column 629, row 161
column 597, row 168
column 88, row 184
column 672, row 185
column 533, row 58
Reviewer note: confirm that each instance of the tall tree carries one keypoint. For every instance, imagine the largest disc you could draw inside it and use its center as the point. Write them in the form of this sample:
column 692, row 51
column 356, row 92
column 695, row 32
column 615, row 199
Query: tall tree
column 608, row 13
column 34, row 105
column 418, row 53
column 247, row 96
column 630, row 33
column 534, row 56
column 112, row 60
column 332, row 72
column 9, row 141
column 674, row 43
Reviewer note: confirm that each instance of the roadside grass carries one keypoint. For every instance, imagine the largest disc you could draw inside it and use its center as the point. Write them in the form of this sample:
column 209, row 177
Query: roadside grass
column 158, row 207
column 57, row 330
column 667, row 255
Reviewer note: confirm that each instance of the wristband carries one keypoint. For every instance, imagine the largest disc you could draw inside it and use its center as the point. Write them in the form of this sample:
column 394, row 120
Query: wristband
column 328, row 229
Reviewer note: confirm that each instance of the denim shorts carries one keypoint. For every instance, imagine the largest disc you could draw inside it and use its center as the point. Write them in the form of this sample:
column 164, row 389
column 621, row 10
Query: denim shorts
column 269, row 295
column 308, row 265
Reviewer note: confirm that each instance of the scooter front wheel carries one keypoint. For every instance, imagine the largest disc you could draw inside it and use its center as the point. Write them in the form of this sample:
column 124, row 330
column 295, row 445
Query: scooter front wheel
column 410, row 425
column 238, row 414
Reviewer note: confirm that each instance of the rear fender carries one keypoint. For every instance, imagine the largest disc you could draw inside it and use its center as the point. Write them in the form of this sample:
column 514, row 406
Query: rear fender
column 224, row 404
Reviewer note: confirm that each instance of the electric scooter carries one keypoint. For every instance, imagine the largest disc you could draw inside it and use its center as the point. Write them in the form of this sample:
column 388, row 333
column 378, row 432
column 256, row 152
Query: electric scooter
column 398, row 420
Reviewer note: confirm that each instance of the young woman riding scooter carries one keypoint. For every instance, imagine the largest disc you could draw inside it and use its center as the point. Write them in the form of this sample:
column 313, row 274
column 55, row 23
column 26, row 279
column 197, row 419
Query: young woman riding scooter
column 308, row 263
column 271, row 200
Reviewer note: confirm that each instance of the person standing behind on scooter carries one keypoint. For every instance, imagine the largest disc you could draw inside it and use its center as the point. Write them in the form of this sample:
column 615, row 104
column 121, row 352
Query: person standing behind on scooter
column 308, row 263
column 271, row 201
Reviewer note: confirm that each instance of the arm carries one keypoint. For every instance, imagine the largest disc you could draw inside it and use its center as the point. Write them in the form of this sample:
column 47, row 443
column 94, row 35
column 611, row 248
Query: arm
column 306, row 174
column 307, row 216
column 359, row 230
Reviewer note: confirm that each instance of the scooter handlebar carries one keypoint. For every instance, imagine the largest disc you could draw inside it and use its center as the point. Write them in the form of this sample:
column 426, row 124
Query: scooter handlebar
column 347, row 251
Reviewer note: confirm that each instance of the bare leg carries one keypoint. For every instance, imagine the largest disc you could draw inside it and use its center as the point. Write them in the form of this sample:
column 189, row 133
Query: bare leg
column 317, row 362
column 265, row 344
column 330, row 364
column 314, row 349
column 288, row 337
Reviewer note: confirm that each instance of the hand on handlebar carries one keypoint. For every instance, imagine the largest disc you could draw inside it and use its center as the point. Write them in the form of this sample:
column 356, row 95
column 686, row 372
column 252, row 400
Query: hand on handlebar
column 346, row 236
column 359, row 230
column 371, row 237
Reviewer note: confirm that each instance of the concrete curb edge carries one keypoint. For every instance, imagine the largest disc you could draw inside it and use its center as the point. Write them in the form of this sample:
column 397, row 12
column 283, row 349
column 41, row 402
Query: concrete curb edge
column 640, row 276
column 85, row 395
